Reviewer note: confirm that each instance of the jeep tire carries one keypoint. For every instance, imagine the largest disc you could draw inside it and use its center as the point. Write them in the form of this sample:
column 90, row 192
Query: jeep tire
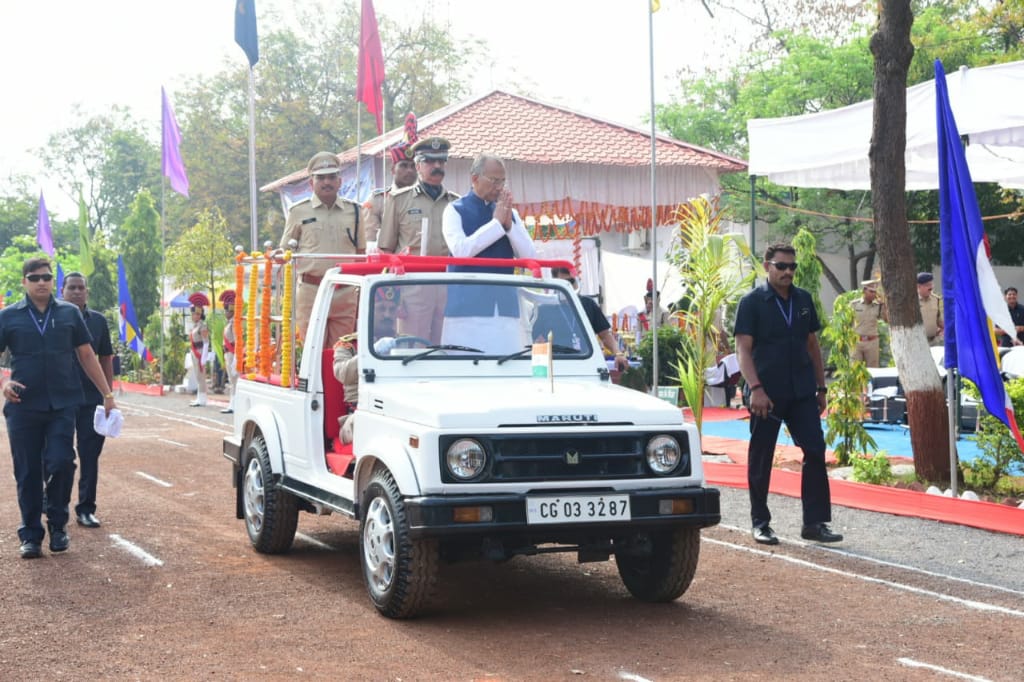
column 401, row 573
column 271, row 514
column 659, row 567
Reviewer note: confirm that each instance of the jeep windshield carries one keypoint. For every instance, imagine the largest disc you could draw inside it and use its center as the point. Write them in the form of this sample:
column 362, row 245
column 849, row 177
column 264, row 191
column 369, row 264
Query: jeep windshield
column 474, row 320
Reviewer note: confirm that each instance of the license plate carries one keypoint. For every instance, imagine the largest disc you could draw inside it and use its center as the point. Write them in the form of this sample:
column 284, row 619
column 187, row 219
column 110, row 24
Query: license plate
column 577, row 508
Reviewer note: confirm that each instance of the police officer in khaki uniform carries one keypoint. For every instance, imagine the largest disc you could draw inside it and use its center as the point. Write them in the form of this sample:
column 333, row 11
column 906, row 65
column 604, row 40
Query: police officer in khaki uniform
column 329, row 224
column 403, row 172
column 931, row 309
column 868, row 311
column 413, row 211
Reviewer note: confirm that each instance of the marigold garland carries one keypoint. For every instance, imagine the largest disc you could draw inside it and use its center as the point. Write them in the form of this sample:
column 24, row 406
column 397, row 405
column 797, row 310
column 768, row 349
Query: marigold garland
column 250, row 337
column 286, row 321
column 236, row 321
column 266, row 360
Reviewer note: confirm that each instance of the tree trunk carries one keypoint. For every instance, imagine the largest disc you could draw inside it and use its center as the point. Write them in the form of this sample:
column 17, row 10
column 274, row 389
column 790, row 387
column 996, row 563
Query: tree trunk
column 926, row 403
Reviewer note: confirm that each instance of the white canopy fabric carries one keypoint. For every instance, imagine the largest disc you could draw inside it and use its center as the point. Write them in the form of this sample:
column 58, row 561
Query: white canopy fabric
column 830, row 148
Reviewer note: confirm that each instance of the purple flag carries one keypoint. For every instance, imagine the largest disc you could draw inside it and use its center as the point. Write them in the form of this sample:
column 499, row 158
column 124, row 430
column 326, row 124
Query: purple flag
column 172, row 165
column 43, row 233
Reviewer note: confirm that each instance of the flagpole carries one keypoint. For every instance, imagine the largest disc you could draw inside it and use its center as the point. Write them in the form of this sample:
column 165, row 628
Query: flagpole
column 952, row 376
column 163, row 276
column 252, row 160
column 383, row 154
column 655, row 304
column 359, row 147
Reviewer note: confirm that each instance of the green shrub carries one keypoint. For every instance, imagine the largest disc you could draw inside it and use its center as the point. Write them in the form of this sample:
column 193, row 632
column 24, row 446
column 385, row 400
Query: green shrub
column 845, row 431
column 979, row 475
column 670, row 342
column 872, row 468
column 998, row 447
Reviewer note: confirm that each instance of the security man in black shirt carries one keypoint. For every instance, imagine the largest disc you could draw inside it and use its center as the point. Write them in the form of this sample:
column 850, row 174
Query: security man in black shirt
column 90, row 443
column 42, row 394
column 780, row 360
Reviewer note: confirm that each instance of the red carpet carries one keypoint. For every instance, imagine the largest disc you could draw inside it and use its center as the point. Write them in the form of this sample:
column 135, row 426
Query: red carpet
column 999, row 518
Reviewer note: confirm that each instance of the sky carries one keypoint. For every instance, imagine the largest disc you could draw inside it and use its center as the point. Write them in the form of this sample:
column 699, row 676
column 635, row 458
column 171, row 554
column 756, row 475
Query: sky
column 589, row 55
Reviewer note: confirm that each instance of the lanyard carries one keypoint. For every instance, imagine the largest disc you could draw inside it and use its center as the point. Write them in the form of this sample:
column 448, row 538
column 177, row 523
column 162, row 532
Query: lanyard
column 41, row 326
column 787, row 317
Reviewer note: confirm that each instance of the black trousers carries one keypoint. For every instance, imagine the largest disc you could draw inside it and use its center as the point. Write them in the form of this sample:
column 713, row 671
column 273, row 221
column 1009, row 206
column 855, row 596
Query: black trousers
column 90, row 445
column 804, row 423
column 43, row 453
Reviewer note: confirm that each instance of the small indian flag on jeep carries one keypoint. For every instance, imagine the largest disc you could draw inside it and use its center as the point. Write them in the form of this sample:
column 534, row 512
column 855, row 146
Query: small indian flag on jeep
column 541, row 359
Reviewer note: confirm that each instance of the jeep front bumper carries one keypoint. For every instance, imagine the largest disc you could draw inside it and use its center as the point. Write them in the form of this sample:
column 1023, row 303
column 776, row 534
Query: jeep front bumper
column 650, row 510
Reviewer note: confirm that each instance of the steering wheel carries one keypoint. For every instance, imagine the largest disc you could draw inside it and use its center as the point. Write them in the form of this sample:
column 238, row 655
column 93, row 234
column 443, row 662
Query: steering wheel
column 410, row 341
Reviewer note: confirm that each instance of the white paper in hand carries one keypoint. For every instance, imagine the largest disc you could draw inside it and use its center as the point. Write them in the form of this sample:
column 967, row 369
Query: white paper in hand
column 107, row 426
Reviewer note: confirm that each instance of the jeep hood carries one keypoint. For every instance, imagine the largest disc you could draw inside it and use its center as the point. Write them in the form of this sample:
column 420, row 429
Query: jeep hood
column 487, row 403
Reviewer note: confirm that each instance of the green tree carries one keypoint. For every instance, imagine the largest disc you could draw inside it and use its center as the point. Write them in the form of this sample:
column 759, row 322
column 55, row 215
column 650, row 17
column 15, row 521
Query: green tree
column 109, row 158
column 17, row 217
column 138, row 242
column 202, row 256
column 305, row 104
column 808, row 274
column 797, row 68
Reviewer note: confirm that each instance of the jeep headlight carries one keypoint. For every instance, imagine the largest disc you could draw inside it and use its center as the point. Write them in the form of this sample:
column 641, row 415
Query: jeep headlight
column 663, row 454
column 466, row 459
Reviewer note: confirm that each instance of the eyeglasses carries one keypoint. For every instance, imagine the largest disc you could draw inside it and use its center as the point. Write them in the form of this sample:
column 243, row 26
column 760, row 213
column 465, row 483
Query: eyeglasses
column 497, row 182
column 37, row 278
column 783, row 266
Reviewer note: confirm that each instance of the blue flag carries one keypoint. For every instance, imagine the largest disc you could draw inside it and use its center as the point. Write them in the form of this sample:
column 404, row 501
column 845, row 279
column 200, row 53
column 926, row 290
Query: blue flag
column 128, row 325
column 972, row 299
column 43, row 233
column 60, row 281
column 245, row 30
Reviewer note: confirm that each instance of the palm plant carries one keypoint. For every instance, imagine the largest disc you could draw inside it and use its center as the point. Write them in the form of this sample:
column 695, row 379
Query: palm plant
column 717, row 268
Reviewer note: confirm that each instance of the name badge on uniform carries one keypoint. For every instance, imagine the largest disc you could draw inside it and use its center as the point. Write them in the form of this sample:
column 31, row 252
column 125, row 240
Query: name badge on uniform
column 414, row 211
column 307, row 221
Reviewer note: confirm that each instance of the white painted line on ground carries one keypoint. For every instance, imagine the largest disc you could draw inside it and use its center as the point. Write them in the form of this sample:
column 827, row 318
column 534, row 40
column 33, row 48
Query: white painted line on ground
column 172, row 415
column 892, row 564
column 136, row 551
column 633, row 677
column 172, row 442
column 911, row 663
column 314, row 541
column 968, row 603
column 154, row 479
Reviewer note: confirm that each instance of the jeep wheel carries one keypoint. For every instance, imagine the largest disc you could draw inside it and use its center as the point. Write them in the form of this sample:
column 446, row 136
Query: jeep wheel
column 271, row 514
column 658, row 567
column 400, row 572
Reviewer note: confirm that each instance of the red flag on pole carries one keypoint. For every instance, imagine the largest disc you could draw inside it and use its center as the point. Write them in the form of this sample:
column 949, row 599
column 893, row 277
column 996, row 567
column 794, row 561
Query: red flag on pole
column 371, row 65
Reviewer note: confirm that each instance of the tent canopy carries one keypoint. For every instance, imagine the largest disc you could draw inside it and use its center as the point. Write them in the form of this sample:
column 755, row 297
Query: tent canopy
column 830, row 148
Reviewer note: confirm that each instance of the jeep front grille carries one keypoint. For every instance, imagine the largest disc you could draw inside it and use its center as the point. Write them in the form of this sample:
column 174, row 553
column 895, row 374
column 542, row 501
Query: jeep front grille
column 566, row 457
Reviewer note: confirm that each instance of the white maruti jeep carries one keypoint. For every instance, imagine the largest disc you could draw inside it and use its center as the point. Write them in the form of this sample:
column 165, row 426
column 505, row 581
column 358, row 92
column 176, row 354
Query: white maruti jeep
column 473, row 445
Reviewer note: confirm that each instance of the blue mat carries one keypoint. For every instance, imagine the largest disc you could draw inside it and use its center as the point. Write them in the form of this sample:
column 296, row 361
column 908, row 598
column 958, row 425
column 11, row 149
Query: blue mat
column 895, row 440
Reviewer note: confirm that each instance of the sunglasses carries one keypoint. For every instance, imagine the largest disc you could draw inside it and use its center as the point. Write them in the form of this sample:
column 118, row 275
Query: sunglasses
column 37, row 278
column 783, row 266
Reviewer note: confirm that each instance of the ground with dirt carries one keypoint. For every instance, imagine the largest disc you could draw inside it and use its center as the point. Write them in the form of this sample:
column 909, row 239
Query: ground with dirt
column 170, row 588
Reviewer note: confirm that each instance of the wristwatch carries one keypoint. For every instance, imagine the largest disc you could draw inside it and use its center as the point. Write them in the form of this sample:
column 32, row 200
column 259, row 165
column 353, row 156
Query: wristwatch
column 822, row 389
column 108, row 395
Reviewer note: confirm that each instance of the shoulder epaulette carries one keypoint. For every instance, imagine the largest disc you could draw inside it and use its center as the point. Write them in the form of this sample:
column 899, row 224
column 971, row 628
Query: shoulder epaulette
column 403, row 190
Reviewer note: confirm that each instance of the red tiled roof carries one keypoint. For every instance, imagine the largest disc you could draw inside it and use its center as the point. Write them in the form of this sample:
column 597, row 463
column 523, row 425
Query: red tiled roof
column 520, row 129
